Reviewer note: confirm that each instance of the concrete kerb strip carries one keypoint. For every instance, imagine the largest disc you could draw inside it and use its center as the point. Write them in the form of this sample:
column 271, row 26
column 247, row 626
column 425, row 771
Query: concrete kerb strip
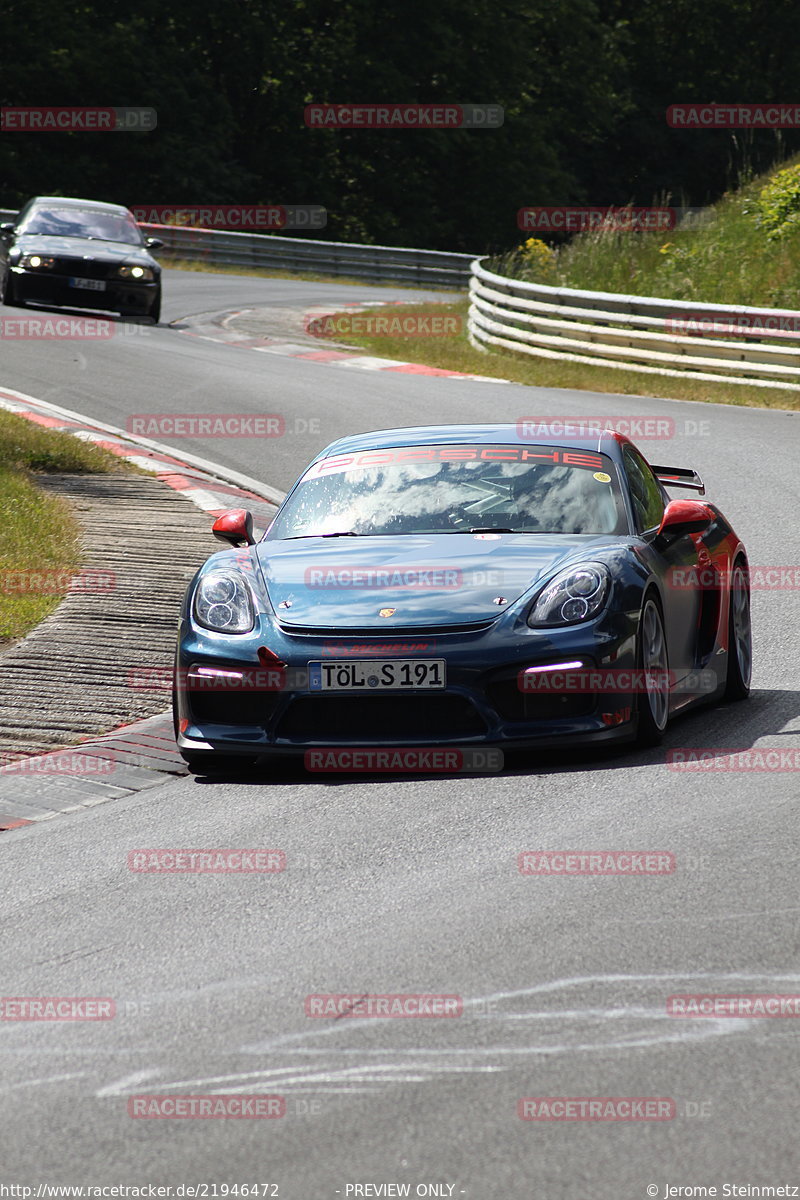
column 143, row 754
column 209, row 487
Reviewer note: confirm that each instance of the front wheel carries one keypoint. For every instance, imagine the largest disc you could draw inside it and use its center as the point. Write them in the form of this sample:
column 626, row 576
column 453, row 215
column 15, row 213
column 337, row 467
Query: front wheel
column 8, row 292
column 155, row 308
column 740, row 638
column 653, row 681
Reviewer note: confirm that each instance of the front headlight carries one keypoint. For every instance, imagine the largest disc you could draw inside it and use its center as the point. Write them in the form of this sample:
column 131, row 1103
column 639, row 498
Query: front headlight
column 222, row 602
column 142, row 274
column 576, row 594
column 37, row 263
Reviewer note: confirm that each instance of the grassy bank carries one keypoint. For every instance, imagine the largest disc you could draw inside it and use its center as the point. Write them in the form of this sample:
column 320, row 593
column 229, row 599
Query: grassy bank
column 456, row 354
column 38, row 534
column 746, row 251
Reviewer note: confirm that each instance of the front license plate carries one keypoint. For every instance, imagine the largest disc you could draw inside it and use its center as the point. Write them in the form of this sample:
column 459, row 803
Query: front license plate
column 378, row 675
column 90, row 285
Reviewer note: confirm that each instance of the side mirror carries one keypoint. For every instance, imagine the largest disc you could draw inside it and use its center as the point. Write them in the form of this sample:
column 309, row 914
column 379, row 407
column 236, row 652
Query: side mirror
column 235, row 527
column 682, row 517
column 153, row 243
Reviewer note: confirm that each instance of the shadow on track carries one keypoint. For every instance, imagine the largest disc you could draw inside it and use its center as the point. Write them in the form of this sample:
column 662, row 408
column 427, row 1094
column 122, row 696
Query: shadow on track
column 724, row 726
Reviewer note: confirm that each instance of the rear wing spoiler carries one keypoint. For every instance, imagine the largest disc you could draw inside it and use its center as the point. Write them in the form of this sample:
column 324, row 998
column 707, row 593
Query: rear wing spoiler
column 680, row 477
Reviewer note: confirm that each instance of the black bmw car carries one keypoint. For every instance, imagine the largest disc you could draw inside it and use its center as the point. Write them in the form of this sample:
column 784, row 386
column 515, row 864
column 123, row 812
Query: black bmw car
column 81, row 254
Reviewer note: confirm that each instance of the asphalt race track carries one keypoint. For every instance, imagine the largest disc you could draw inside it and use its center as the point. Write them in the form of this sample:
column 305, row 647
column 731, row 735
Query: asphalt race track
column 410, row 884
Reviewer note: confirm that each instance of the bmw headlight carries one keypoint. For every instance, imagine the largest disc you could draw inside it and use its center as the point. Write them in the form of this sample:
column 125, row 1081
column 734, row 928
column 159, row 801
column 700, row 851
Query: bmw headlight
column 576, row 594
column 142, row 274
column 37, row 263
column 222, row 602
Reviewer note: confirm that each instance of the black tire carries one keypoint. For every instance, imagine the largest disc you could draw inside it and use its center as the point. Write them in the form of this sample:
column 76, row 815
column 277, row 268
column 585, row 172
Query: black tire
column 155, row 308
column 8, row 293
column 652, row 705
column 740, row 640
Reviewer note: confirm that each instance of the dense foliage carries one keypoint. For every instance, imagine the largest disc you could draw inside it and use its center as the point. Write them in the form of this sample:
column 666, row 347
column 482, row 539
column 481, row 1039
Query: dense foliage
column 585, row 85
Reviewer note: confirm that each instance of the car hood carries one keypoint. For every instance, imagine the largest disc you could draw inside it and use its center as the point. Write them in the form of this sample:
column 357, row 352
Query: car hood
column 437, row 579
column 74, row 247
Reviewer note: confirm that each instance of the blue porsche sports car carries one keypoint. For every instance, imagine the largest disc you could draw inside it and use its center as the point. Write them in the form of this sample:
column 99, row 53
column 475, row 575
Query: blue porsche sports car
column 462, row 586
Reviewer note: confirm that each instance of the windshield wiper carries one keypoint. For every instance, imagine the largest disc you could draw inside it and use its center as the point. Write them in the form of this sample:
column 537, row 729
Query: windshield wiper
column 296, row 537
column 410, row 532
column 94, row 237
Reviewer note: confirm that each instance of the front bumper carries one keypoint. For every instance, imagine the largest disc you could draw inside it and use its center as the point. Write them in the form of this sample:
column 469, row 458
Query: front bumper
column 119, row 295
column 482, row 705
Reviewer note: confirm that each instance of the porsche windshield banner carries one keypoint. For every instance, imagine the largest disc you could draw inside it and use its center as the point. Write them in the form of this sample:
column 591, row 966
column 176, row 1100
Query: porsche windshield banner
column 399, row 455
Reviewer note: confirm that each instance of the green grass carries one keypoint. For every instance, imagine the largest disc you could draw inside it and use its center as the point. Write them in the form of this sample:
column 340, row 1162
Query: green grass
column 747, row 253
column 38, row 533
column 28, row 446
column 456, row 354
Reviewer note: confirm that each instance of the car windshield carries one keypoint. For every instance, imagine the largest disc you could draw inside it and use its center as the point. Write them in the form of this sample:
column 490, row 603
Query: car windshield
column 455, row 489
column 83, row 223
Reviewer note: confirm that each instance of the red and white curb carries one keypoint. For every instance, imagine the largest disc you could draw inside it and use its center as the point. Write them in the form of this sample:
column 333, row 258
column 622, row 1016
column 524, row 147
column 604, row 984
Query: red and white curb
column 211, row 488
column 216, row 328
column 142, row 754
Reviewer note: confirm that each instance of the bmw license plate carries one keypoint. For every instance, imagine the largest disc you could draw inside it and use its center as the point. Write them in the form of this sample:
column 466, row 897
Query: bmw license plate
column 377, row 674
column 90, row 285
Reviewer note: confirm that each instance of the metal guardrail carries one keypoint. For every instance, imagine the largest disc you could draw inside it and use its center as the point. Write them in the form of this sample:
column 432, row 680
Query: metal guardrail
column 378, row 264
column 632, row 333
